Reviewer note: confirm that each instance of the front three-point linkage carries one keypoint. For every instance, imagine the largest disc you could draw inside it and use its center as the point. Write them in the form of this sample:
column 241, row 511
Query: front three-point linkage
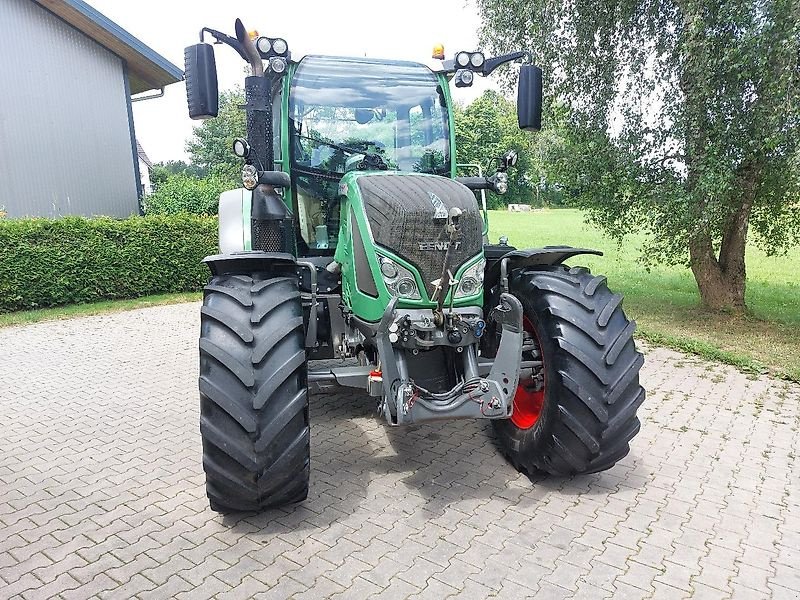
column 447, row 280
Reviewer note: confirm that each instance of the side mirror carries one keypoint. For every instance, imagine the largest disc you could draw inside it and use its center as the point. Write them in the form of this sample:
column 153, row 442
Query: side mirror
column 529, row 98
column 201, row 81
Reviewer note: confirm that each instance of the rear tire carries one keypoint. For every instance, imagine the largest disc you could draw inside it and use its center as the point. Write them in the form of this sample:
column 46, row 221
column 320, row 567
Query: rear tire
column 591, row 375
column 253, row 397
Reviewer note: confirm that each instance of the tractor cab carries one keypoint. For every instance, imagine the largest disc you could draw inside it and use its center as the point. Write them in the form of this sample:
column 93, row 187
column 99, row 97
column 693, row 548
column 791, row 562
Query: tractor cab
column 359, row 114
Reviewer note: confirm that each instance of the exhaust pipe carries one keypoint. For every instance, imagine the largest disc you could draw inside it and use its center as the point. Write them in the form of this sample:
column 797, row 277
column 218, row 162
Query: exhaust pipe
column 249, row 49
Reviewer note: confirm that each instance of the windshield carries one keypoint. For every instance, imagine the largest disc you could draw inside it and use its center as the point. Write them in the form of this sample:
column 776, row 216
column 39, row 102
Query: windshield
column 350, row 113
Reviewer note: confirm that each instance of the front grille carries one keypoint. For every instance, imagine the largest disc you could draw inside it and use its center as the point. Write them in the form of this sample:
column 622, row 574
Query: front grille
column 400, row 214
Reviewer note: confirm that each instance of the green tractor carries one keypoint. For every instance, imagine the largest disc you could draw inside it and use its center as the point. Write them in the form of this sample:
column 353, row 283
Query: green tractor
column 354, row 241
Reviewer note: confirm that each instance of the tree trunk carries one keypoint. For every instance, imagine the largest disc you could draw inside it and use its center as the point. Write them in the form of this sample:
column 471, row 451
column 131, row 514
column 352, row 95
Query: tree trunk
column 719, row 290
column 722, row 280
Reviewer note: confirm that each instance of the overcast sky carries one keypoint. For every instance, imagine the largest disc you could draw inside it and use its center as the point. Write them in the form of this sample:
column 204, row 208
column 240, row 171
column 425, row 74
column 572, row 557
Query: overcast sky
column 402, row 30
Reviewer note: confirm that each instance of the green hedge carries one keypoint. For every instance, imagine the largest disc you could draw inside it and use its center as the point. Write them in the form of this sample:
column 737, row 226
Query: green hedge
column 47, row 262
column 183, row 193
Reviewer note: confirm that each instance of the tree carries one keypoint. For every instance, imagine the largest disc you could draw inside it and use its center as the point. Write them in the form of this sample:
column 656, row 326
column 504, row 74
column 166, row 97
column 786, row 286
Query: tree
column 682, row 121
column 162, row 171
column 210, row 146
column 485, row 130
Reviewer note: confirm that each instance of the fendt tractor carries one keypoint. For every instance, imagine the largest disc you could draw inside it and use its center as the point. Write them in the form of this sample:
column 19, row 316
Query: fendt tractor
column 355, row 241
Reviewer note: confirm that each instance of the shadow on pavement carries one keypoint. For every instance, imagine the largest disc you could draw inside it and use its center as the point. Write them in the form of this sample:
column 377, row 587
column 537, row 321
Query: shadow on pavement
column 425, row 468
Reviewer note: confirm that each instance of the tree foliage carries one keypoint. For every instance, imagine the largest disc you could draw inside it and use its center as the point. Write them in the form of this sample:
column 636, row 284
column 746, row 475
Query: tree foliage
column 485, row 130
column 185, row 194
column 210, row 147
column 681, row 120
column 162, row 171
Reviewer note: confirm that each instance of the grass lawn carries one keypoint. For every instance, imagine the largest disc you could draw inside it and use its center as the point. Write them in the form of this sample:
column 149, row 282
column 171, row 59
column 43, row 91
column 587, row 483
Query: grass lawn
column 664, row 301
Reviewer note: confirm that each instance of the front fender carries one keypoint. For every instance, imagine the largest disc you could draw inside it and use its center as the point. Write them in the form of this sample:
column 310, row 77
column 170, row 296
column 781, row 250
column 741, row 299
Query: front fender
column 530, row 257
column 248, row 262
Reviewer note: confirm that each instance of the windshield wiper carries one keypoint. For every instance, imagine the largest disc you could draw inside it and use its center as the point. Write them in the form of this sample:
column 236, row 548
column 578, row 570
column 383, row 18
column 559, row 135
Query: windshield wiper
column 372, row 160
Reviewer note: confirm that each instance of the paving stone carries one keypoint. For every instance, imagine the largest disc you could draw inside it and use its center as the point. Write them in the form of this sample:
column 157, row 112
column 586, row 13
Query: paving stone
column 169, row 589
column 249, row 587
column 102, row 488
column 135, row 585
column 93, row 588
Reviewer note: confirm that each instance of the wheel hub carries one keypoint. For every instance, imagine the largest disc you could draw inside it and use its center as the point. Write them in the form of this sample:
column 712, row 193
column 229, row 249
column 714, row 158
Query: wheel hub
column 529, row 397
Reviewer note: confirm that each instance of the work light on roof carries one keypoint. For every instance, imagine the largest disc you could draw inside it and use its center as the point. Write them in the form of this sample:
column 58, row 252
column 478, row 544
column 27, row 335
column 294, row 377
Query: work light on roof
column 279, row 46
column 464, row 78
column 264, row 45
column 269, row 47
column 277, row 64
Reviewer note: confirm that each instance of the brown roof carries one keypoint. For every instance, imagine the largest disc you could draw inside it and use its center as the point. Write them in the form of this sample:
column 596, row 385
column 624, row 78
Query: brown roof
column 143, row 155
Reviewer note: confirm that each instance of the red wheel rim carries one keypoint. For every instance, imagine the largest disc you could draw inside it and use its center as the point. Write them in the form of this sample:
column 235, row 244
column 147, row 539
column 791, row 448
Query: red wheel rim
column 528, row 402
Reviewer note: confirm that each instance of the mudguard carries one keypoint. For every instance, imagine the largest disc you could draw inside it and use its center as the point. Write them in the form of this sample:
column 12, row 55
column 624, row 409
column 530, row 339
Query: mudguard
column 251, row 261
column 529, row 257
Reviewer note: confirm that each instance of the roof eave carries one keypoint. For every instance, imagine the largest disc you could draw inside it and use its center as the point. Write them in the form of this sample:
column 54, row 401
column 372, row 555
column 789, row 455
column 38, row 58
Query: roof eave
column 147, row 69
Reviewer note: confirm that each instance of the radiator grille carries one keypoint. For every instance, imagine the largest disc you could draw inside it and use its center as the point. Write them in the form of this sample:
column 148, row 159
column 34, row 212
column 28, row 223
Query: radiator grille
column 400, row 213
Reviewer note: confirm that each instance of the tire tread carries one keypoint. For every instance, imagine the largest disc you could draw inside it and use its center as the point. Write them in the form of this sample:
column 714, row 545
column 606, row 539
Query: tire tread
column 597, row 368
column 254, row 401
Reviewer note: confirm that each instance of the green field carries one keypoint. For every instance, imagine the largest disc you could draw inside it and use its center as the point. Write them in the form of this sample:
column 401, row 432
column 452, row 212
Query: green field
column 664, row 300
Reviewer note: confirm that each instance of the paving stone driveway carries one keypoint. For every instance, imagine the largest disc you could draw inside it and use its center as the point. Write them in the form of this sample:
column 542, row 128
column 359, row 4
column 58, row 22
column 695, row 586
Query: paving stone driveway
column 101, row 489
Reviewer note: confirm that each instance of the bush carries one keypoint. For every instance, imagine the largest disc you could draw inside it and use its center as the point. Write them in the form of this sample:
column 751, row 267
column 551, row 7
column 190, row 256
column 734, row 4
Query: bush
column 47, row 262
column 183, row 193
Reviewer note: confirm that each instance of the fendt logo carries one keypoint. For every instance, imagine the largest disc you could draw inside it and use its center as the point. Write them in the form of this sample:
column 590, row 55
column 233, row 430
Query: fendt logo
column 438, row 245
column 439, row 209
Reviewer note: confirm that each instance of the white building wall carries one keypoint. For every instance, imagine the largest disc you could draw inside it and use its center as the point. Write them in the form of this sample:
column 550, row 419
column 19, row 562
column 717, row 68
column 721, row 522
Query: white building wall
column 144, row 177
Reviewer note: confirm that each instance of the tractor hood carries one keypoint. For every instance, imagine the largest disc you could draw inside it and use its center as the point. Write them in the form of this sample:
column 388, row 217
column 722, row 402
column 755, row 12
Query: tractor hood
column 407, row 214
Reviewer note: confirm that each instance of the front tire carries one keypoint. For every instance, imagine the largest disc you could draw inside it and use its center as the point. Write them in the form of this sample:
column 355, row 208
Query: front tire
column 582, row 416
column 253, row 396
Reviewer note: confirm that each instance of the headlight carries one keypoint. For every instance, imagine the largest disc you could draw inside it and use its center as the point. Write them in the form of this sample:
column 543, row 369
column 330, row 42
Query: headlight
column 388, row 269
column 406, row 288
column 399, row 281
column 471, row 280
column 462, row 59
column 464, row 78
column 501, row 182
column 241, row 148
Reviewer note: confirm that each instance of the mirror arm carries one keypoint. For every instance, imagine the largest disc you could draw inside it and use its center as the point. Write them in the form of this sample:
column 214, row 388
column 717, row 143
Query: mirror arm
column 222, row 38
column 492, row 63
